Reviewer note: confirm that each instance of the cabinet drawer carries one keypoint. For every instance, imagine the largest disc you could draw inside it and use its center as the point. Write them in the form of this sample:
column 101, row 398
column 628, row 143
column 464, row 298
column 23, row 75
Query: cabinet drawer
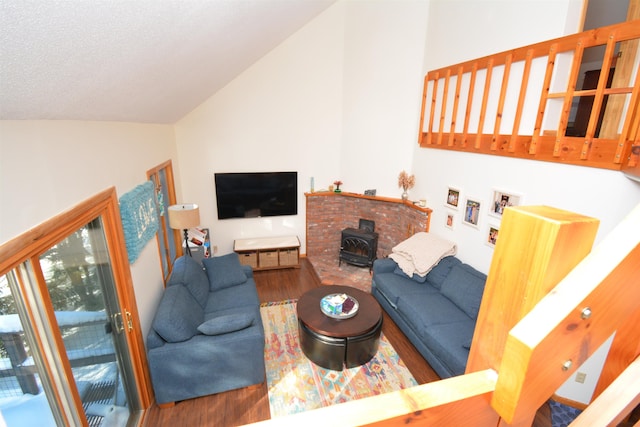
column 268, row 259
column 289, row 257
column 250, row 259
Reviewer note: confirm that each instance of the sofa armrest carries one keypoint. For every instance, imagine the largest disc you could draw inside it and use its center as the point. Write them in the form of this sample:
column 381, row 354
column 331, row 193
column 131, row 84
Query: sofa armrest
column 207, row 364
column 384, row 265
column 248, row 271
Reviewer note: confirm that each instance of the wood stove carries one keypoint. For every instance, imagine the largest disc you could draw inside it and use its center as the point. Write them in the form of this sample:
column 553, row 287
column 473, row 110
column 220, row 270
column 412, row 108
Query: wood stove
column 358, row 246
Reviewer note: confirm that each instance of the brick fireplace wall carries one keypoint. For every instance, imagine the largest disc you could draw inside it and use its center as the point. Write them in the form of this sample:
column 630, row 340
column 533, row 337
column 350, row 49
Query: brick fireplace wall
column 329, row 213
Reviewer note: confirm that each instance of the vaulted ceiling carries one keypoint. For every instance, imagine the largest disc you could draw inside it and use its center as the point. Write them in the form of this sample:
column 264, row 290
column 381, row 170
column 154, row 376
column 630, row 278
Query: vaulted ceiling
column 148, row 61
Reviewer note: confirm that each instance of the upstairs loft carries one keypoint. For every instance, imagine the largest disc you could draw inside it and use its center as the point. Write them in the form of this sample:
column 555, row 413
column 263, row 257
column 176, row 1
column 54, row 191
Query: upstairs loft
column 549, row 101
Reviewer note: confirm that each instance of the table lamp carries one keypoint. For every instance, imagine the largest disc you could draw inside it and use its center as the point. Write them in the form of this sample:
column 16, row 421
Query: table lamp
column 184, row 217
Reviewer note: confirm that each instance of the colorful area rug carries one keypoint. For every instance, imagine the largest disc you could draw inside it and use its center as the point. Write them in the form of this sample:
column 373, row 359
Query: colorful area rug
column 297, row 385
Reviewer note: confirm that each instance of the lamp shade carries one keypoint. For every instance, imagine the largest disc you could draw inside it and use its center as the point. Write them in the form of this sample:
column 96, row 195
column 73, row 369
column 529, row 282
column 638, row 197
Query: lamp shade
column 184, row 216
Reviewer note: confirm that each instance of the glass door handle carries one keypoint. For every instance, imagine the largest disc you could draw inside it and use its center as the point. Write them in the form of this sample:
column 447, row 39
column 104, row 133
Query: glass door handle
column 118, row 322
column 129, row 320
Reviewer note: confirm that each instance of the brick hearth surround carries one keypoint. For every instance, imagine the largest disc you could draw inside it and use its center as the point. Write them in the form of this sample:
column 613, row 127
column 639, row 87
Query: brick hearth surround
column 329, row 213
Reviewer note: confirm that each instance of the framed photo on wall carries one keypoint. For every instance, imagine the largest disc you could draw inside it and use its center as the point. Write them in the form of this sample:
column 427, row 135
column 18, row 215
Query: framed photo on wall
column 492, row 235
column 450, row 220
column 472, row 211
column 503, row 199
column 453, row 198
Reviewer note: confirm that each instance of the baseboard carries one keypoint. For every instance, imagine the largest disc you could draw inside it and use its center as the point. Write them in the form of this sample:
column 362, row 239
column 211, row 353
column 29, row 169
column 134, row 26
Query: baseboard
column 569, row 402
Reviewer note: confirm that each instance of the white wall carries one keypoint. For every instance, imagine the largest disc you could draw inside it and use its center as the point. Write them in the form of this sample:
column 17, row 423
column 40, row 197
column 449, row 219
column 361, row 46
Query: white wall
column 483, row 28
column 337, row 100
column 384, row 49
column 47, row 167
column 283, row 113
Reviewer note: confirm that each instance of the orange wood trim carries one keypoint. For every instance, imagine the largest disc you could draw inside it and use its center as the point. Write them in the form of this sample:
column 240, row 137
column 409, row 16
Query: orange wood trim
column 171, row 191
column 553, row 51
column 472, row 85
column 630, row 127
column 485, row 99
column 590, row 303
column 526, row 72
column 443, row 108
column 501, row 100
column 455, row 401
column 590, row 150
column 568, row 98
column 377, row 198
column 423, row 108
column 456, row 103
column 434, row 95
column 599, row 96
column 544, row 245
column 615, row 403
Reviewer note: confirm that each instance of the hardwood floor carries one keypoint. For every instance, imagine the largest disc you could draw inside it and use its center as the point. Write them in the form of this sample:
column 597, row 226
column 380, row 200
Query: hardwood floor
column 248, row 405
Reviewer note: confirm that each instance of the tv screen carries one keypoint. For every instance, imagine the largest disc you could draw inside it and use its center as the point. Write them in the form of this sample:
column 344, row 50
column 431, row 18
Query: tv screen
column 256, row 194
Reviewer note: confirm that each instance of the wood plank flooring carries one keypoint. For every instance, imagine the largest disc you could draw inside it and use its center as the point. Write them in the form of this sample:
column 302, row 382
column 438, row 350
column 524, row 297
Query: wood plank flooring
column 248, row 405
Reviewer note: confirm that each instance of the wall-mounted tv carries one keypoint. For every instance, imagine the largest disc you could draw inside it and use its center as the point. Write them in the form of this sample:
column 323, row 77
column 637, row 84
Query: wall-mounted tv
column 256, row 194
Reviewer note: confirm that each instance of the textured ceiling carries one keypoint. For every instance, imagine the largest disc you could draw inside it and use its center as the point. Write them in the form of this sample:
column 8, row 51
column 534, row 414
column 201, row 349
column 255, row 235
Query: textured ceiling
column 150, row 61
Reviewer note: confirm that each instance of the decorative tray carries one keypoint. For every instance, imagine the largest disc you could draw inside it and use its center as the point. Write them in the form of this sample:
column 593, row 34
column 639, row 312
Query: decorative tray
column 339, row 306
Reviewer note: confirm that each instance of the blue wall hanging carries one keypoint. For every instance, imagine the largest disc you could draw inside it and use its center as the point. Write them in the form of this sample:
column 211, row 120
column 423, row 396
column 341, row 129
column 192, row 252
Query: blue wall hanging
column 139, row 215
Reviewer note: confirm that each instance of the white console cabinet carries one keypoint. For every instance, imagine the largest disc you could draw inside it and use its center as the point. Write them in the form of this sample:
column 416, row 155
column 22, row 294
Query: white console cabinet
column 265, row 253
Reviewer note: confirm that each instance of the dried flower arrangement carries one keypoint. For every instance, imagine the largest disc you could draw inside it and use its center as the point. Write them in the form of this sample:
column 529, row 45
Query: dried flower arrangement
column 406, row 181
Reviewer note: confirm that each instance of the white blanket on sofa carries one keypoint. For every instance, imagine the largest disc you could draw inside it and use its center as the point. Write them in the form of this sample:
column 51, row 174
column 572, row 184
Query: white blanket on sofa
column 421, row 252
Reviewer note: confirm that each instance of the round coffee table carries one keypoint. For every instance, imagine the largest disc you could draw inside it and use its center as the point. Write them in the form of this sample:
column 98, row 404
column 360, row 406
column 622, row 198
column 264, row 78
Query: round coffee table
column 336, row 343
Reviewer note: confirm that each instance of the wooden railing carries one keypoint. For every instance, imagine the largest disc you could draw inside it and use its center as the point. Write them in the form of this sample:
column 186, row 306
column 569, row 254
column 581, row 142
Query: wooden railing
column 595, row 299
column 519, row 103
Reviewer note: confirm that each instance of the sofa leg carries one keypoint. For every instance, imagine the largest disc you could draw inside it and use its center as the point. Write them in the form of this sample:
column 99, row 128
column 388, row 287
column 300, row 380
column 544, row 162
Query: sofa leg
column 166, row 405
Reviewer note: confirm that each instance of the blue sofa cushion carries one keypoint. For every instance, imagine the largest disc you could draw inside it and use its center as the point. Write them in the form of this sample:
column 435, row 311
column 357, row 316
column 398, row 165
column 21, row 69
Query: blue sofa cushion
column 415, row 277
column 233, row 297
column 224, row 271
column 423, row 311
column 440, row 272
column 464, row 287
column 393, row 286
column 178, row 315
column 189, row 273
column 226, row 323
column 447, row 342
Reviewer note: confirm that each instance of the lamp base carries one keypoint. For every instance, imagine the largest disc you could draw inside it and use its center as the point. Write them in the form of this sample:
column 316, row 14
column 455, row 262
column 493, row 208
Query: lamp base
column 186, row 243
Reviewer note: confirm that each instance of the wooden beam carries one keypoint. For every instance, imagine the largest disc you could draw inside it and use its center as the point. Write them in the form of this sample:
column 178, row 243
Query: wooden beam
column 544, row 244
column 456, row 401
column 568, row 325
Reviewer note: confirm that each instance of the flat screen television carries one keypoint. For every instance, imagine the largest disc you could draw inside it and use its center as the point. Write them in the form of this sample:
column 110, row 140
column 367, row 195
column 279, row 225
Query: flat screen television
column 256, row 194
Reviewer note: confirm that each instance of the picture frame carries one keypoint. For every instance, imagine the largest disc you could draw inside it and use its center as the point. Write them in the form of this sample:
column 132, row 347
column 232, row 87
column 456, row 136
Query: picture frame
column 450, row 220
column 491, row 237
column 471, row 214
column 453, row 198
column 502, row 199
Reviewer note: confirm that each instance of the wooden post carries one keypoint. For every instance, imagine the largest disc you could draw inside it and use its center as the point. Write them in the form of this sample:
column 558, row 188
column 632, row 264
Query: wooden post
column 544, row 244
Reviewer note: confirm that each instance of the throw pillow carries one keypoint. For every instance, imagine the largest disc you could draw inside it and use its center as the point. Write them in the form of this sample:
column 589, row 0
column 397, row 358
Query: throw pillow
column 224, row 271
column 439, row 273
column 178, row 315
column 190, row 273
column 464, row 287
column 226, row 323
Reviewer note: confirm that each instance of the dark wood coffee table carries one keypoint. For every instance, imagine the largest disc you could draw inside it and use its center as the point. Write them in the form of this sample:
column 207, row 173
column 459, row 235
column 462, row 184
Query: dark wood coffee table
column 336, row 343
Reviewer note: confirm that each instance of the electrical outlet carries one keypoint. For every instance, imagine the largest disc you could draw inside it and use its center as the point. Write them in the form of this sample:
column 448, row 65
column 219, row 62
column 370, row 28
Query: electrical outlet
column 581, row 377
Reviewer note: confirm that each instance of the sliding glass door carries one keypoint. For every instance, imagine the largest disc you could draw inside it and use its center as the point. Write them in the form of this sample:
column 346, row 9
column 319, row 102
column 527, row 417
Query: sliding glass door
column 67, row 328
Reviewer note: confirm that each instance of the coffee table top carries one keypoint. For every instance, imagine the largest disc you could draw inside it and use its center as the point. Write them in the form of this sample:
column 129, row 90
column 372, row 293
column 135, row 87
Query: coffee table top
column 367, row 317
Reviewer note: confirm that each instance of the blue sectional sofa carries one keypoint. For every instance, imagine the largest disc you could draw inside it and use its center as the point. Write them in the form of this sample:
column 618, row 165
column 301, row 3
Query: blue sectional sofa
column 207, row 335
column 436, row 312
